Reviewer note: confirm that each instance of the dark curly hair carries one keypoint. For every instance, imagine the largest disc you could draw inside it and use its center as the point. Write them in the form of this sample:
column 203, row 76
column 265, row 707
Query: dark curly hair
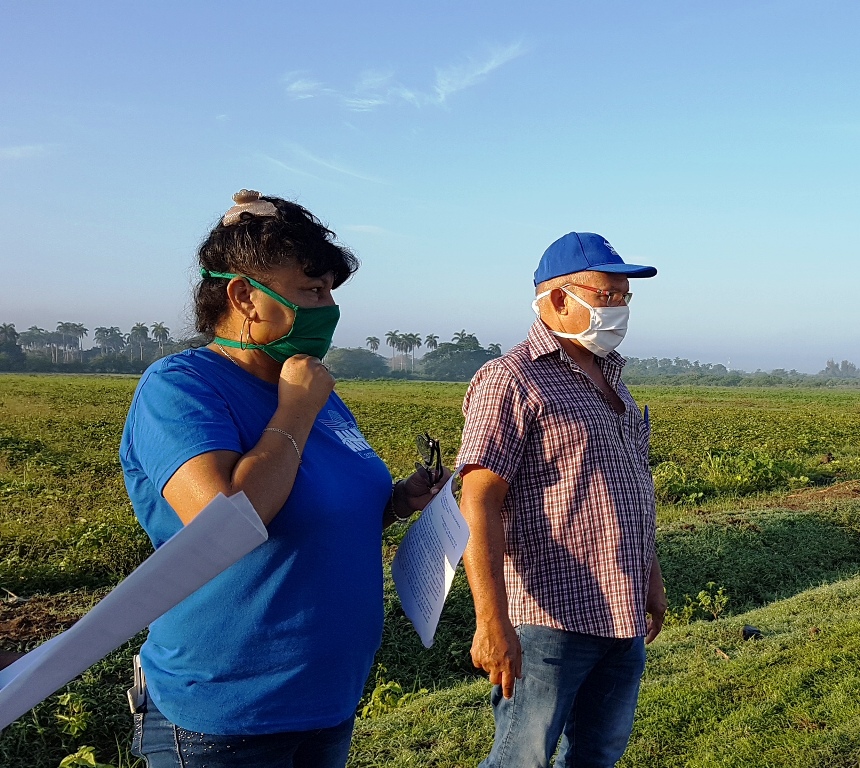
column 256, row 245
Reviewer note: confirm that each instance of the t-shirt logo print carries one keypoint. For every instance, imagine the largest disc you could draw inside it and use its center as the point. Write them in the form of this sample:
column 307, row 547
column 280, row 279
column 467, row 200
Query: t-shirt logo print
column 349, row 434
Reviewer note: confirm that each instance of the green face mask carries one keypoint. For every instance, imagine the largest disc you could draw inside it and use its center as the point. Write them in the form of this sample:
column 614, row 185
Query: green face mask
column 311, row 333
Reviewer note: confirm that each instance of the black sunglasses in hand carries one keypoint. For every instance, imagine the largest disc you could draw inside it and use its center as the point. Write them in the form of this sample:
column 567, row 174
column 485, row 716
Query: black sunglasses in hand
column 431, row 456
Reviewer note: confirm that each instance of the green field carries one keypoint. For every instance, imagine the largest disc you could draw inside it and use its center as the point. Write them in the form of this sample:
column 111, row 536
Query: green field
column 759, row 501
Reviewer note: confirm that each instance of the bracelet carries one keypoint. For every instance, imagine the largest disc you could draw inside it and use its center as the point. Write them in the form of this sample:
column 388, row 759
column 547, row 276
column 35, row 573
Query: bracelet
column 291, row 438
column 391, row 509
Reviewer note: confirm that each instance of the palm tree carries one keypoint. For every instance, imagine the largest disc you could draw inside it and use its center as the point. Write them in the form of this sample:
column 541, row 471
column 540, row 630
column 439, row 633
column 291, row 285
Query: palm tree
column 139, row 334
column 431, row 341
column 34, row 338
column 54, row 342
column 116, row 339
column 494, row 349
column 78, row 331
column 372, row 342
column 414, row 343
column 65, row 329
column 466, row 340
column 109, row 339
column 392, row 339
column 101, row 337
column 405, row 346
column 8, row 334
column 161, row 333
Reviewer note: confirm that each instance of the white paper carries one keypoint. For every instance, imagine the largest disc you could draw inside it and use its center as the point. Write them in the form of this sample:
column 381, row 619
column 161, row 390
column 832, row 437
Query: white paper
column 226, row 530
column 426, row 559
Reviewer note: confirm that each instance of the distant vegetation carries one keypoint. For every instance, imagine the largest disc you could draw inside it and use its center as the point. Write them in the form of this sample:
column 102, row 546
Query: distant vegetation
column 682, row 372
column 61, row 351
column 39, row 350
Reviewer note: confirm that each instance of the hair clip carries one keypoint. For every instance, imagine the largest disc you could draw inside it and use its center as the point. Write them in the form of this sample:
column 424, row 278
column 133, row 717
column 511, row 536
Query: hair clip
column 248, row 201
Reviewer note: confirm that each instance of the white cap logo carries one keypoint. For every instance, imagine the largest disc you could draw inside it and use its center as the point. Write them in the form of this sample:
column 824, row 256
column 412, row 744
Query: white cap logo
column 611, row 249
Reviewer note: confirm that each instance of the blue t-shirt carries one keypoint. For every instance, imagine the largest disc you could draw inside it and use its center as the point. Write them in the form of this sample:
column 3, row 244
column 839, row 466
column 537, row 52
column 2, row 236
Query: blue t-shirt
column 285, row 638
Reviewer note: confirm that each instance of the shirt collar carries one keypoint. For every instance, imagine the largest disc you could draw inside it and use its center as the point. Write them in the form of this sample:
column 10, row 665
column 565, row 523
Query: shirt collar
column 543, row 343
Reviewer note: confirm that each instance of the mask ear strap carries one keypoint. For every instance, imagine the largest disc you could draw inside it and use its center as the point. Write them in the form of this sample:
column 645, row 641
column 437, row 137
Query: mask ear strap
column 577, row 299
column 535, row 307
column 271, row 294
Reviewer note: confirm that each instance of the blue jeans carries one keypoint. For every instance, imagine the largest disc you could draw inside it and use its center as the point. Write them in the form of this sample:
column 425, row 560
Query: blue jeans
column 578, row 688
column 164, row 745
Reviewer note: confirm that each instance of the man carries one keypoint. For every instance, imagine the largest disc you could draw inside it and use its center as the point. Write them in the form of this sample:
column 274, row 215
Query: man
column 559, row 498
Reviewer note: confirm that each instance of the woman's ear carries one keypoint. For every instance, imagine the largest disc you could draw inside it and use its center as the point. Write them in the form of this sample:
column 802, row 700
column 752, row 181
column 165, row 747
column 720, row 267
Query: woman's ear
column 239, row 296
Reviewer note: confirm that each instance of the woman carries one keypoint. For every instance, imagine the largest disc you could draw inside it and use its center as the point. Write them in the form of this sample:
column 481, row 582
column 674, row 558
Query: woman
column 263, row 666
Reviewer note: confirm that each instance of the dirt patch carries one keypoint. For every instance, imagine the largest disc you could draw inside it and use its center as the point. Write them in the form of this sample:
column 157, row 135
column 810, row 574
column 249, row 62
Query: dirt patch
column 807, row 497
column 24, row 622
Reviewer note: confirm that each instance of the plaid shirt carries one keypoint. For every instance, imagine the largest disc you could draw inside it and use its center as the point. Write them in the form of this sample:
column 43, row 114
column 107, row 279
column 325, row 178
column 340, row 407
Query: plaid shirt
column 579, row 517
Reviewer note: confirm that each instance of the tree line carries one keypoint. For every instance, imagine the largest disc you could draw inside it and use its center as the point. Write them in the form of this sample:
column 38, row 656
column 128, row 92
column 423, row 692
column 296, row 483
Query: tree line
column 407, row 343
column 39, row 349
column 457, row 360
column 682, row 372
column 115, row 351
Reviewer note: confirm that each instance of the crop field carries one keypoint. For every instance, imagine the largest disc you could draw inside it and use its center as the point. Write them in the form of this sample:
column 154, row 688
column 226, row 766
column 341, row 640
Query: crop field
column 758, row 524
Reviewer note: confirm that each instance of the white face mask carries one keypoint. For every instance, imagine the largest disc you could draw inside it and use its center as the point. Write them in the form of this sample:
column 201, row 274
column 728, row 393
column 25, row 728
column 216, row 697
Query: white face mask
column 606, row 327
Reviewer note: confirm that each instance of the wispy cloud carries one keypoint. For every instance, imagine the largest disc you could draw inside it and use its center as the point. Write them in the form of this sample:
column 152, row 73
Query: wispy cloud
column 458, row 77
column 25, row 151
column 301, row 87
column 332, row 165
column 299, row 157
column 378, row 88
column 285, row 166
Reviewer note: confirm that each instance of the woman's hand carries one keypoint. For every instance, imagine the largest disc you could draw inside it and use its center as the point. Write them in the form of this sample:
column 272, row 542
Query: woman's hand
column 305, row 383
column 265, row 473
column 418, row 491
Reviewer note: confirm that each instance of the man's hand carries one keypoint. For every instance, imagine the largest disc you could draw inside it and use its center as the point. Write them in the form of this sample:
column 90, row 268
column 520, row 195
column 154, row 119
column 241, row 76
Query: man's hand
column 655, row 603
column 496, row 649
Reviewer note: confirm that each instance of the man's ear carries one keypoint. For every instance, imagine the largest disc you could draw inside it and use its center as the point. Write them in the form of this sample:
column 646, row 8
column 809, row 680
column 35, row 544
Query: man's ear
column 558, row 300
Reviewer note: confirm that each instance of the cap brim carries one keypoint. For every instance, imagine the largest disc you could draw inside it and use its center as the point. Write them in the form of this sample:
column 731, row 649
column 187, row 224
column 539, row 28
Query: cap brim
column 631, row 270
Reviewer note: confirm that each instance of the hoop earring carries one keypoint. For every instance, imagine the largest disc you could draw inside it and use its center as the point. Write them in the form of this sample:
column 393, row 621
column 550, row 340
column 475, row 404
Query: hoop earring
column 246, row 321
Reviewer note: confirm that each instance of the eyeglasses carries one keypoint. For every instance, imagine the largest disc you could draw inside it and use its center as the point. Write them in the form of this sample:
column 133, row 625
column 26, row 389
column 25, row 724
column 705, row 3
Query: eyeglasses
column 613, row 298
column 431, row 456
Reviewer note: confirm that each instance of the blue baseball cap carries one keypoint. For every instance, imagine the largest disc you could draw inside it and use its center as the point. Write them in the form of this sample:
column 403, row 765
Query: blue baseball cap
column 585, row 251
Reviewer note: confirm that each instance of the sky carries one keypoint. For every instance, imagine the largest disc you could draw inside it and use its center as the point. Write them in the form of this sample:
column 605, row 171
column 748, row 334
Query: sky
column 447, row 144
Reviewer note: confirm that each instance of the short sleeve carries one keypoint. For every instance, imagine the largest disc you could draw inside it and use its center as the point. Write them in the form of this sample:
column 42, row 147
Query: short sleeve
column 498, row 418
column 175, row 415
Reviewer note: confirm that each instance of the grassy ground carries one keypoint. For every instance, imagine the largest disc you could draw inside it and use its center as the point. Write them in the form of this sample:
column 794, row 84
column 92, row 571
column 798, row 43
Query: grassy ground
column 761, row 498
column 709, row 699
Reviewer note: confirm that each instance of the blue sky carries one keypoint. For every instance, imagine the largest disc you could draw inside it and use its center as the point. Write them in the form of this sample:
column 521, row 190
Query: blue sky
column 448, row 144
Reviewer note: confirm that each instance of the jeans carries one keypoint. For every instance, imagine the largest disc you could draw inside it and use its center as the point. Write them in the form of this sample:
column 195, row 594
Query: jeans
column 578, row 688
column 164, row 745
